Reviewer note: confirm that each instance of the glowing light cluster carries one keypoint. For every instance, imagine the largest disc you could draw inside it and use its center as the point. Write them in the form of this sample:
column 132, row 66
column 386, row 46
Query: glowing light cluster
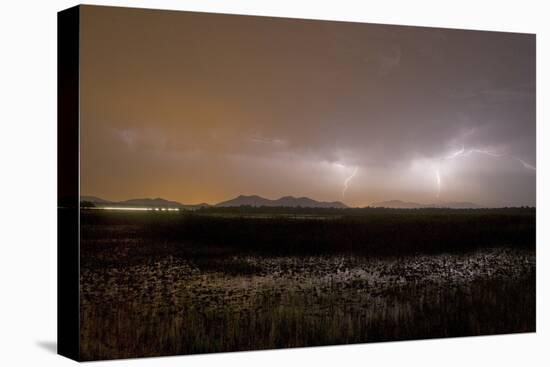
column 133, row 208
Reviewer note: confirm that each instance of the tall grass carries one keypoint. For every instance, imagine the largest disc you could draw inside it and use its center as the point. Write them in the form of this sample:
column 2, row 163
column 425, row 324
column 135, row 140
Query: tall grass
column 130, row 329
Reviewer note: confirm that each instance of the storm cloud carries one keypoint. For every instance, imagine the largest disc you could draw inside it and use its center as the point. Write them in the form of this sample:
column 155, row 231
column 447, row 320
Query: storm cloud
column 202, row 107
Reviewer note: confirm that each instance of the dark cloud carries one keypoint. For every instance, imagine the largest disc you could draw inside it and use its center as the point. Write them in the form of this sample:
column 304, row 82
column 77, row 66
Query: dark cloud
column 201, row 107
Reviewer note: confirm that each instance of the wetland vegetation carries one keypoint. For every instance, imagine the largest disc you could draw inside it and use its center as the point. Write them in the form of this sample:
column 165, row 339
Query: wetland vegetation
column 219, row 280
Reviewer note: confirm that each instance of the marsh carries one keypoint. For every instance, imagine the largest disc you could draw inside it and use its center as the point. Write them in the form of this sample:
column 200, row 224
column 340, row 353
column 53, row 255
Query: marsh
column 158, row 284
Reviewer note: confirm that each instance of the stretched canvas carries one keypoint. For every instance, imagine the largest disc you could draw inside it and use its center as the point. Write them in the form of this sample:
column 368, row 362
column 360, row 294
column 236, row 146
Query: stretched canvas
column 235, row 183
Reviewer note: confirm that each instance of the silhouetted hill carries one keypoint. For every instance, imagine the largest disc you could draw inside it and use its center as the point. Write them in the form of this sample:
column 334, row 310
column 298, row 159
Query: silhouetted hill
column 196, row 206
column 143, row 202
column 285, row 201
column 150, row 202
column 94, row 199
column 398, row 204
column 456, row 205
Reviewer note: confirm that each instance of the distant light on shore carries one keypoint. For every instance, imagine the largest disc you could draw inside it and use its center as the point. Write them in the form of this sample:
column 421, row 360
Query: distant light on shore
column 133, row 208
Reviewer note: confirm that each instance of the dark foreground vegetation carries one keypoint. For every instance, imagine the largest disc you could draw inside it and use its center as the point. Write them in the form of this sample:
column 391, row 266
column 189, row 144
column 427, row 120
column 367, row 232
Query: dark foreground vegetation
column 317, row 231
column 246, row 278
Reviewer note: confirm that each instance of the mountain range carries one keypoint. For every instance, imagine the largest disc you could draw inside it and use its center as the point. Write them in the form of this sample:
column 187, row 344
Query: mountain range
column 144, row 202
column 398, row 204
column 242, row 200
column 285, row 201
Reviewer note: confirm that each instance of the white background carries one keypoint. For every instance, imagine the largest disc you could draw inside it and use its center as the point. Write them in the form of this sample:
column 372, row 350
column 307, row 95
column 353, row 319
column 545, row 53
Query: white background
column 28, row 183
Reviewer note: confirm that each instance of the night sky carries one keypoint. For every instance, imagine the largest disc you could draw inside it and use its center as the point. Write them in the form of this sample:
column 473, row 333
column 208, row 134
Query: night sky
column 202, row 107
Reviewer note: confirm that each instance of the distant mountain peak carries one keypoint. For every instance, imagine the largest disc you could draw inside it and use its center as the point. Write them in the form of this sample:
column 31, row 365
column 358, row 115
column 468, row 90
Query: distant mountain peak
column 141, row 202
column 94, row 199
column 285, row 201
column 399, row 204
column 149, row 201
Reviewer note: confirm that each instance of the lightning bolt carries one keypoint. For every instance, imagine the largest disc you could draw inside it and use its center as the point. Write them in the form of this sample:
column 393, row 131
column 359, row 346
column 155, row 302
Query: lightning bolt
column 525, row 164
column 347, row 180
column 438, row 180
column 456, row 154
column 464, row 153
